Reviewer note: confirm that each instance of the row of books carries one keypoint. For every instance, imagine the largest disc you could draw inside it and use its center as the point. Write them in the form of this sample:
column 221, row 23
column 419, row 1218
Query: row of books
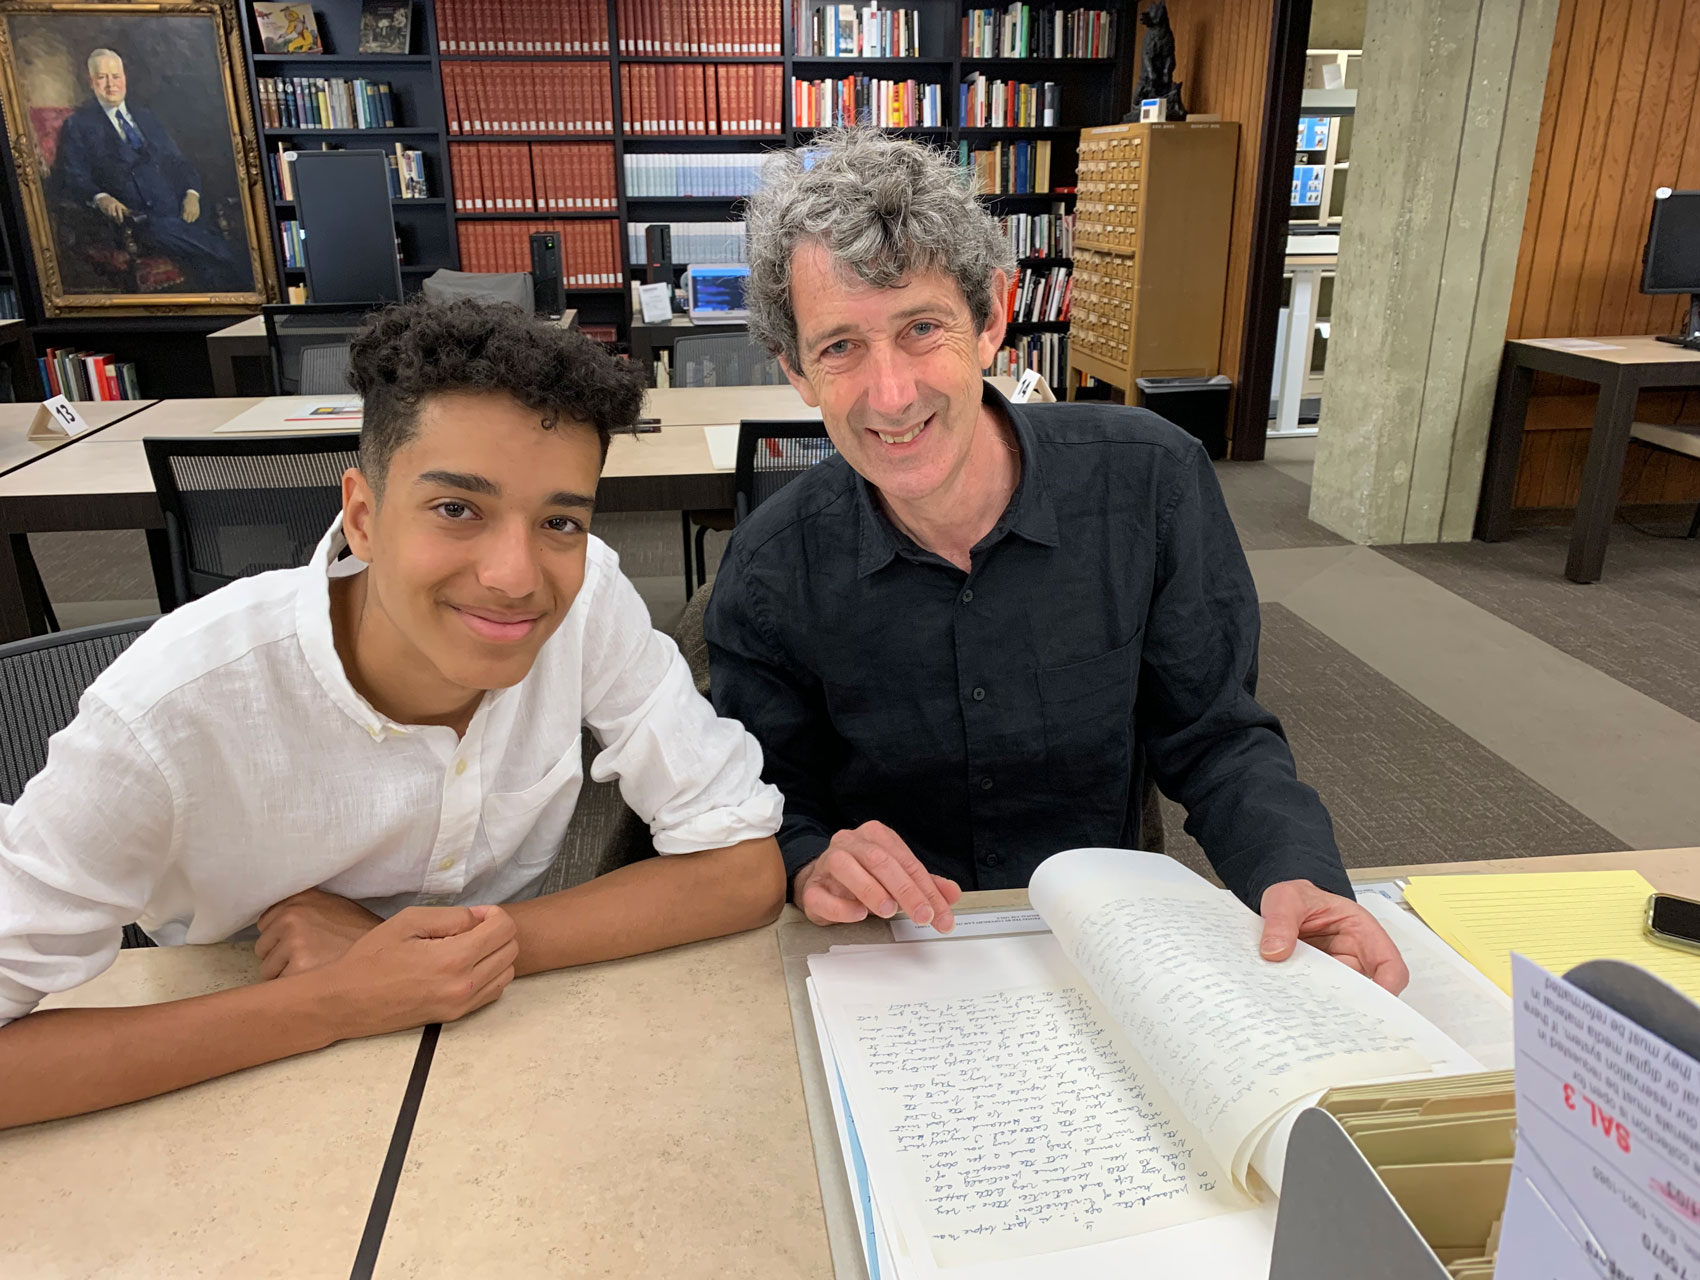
column 406, row 170
column 687, row 176
column 489, row 98
column 294, row 244
column 535, row 177
column 1040, row 235
column 1008, row 168
column 689, row 28
column 1024, row 31
column 694, row 242
column 844, row 31
column 1040, row 293
column 534, row 29
column 590, row 251
column 9, row 309
column 1008, row 104
column 83, row 375
column 315, row 102
column 865, row 100
column 1045, row 352
column 699, row 98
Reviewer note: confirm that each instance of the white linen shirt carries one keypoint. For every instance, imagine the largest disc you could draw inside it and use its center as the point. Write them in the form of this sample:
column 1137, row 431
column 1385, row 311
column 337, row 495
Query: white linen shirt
column 225, row 762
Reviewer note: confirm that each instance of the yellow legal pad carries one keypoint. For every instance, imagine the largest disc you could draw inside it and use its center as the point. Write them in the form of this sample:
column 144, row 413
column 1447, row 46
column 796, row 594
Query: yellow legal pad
column 1557, row 919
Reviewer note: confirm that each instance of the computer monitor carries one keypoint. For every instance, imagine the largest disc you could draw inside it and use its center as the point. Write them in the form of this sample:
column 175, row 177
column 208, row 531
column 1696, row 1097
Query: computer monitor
column 717, row 292
column 1671, row 261
column 347, row 225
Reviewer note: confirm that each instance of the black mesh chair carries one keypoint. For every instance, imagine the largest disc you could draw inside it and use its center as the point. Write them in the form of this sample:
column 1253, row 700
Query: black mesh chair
column 717, row 360
column 41, row 681
column 238, row 507
column 308, row 343
column 773, row 454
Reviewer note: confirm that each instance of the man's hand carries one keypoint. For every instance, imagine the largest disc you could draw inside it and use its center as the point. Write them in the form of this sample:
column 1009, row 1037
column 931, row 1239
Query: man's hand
column 871, row 869
column 191, row 206
column 114, row 209
column 1296, row 910
column 308, row 930
column 425, row 964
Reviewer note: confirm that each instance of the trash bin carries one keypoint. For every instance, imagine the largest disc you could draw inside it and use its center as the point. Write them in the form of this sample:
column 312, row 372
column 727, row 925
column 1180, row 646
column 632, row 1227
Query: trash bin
column 1198, row 406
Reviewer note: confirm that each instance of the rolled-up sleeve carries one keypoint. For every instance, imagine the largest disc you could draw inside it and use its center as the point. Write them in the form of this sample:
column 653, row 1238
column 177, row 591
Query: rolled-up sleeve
column 693, row 776
column 80, row 853
column 1209, row 743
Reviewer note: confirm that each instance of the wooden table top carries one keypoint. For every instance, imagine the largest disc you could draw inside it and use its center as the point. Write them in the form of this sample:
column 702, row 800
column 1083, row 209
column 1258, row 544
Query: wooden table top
column 17, row 449
column 1631, row 349
column 640, row 1117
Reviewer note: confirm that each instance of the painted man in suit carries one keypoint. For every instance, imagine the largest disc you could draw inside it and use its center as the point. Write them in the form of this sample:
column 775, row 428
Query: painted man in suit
column 120, row 160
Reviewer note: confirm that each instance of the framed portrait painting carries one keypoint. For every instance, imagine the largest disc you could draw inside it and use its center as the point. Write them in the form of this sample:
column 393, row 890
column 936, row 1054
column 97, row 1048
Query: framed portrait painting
column 135, row 153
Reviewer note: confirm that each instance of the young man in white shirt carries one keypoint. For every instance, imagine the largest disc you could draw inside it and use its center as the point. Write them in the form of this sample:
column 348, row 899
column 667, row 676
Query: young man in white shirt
column 362, row 755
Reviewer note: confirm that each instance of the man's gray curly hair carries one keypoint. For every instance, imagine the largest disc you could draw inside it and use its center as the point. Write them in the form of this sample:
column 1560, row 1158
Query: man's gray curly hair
column 883, row 208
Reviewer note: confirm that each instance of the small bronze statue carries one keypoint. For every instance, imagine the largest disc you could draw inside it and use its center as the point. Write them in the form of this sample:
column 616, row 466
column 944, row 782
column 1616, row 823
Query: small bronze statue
column 1157, row 64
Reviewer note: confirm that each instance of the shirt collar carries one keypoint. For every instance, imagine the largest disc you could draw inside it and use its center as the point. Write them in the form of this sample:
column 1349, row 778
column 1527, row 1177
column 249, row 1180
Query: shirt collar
column 1028, row 515
column 122, row 109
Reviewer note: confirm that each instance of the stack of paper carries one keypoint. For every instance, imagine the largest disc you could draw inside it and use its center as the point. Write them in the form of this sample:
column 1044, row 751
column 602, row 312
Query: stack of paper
column 1116, row 1093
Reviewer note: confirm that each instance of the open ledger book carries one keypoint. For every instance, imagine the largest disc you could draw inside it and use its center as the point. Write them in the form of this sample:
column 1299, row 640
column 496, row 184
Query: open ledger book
column 1118, row 1091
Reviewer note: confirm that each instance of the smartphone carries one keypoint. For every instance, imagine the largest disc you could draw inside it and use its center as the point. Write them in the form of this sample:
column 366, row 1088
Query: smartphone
column 1674, row 921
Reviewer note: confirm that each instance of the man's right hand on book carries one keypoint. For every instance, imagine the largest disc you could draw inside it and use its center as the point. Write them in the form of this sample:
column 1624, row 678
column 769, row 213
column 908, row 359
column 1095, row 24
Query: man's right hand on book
column 424, row 964
column 871, row 869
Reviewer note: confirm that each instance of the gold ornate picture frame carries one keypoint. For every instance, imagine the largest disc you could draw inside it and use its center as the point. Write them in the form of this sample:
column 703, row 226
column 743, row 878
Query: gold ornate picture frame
column 137, row 162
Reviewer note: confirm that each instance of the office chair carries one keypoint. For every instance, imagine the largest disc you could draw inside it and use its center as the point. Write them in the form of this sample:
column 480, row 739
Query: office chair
column 309, row 346
column 236, row 507
column 717, row 360
column 41, row 681
column 1671, row 438
column 771, row 455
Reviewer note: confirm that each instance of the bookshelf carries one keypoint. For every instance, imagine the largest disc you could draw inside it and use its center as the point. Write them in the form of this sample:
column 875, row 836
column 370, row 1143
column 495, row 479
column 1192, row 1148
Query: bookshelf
column 436, row 232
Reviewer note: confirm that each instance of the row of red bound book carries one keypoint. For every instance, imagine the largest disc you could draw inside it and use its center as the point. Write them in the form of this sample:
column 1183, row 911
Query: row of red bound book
column 700, row 99
column 590, row 250
column 672, row 28
column 532, row 177
column 489, row 98
column 522, row 27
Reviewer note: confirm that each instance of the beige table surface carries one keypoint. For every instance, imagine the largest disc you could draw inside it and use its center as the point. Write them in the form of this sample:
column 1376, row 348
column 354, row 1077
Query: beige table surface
column 17, row 449
column 1635, row 348
column 255, row 326
column 266, row 1173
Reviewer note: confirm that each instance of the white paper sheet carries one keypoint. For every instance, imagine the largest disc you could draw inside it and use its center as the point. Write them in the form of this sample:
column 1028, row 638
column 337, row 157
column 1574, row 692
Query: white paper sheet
column 979, row 924
column 722, row 446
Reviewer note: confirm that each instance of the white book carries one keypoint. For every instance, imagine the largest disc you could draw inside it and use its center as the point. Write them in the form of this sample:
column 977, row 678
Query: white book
column 1109, row 1099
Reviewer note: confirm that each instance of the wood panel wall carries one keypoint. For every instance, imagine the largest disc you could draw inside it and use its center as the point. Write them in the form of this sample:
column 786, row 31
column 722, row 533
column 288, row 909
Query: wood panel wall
column 1221, row 60
column 1621, row 117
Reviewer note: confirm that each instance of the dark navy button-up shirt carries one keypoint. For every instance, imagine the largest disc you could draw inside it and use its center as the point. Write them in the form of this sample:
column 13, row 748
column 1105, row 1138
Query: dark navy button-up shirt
column 995, row 717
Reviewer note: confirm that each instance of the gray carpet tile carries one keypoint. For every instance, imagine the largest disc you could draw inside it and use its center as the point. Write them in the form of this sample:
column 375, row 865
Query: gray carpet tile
column 1270, row 508
column 1403, row 785
column 1640, row 624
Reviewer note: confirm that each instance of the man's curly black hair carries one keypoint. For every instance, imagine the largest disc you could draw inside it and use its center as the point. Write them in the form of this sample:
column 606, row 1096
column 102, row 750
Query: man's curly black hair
column 409, row 352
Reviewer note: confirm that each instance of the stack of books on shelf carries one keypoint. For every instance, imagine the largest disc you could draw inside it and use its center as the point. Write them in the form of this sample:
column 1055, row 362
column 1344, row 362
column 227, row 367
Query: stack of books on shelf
column 9, row 303
column 1038, row 295
column 590, row 251
column 294, row 244
column 406, row 167
column 1007, row 104
column 81, row 375
column 489, row 98
column 314, row 102
column 865, row 100
column 535, row 177
column 1045, row 352
column 699, row 243
column 686, row 28
column 565, row 27
column 849, row 31
column 700, row 99
column 1008, row 168
column 1040, row 235
column 1023, row 31
column 690, row 176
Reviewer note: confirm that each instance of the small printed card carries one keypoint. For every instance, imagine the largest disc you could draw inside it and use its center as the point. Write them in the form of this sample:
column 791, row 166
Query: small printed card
column 56, row 419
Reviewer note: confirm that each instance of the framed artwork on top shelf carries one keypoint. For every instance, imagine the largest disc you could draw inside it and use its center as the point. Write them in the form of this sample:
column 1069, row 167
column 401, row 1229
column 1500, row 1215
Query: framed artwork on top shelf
column 134, row 145
column 287, row 27
column 386, row 26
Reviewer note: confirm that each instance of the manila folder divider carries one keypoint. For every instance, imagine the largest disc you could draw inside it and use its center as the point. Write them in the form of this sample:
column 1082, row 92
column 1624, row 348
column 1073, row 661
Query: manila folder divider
column 1120, row 1089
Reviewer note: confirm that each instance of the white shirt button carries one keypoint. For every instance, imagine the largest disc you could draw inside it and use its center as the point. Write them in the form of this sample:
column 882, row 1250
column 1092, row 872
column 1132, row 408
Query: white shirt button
column 460, row 767
column 447, row 864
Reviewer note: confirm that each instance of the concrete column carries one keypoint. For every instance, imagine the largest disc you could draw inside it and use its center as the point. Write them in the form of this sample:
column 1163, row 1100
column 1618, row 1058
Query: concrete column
column 1442, row 145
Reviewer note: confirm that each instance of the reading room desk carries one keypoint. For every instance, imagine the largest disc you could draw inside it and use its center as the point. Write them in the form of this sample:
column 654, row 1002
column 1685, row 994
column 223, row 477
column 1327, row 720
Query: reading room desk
column 645, row 1117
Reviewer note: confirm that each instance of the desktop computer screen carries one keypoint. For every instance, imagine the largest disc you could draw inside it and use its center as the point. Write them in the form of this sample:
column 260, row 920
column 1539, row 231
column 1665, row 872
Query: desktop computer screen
column 1671, row 261
column 717, row 292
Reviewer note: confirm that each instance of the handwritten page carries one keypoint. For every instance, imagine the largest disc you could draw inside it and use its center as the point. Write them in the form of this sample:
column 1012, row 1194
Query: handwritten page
column 1557, row 919
column 1016, row 1120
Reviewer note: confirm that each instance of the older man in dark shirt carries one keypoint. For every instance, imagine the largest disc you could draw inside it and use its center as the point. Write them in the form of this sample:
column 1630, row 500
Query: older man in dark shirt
column 961, row 640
